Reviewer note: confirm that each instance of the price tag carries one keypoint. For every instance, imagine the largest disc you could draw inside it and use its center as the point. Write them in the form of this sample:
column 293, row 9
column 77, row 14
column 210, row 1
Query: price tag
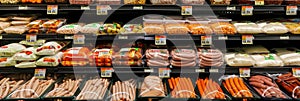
column 160, row 40
column 186, row 10
column 106, row 72
column 23, row 7
column 206, row 40
column 244, row 72
column 52, row 9
column 68, row 37
column 231, row 8
column 213, row 70
column 148, row 70
column 85, row 8
column 223, row 38
column 0, row 37
column 31, row 38
column 138, row 7
column 199, row 70
column 247, row 39
column 164, row 72
column 78, row 39
column 40, row 73
column 259, row 2
column 247, row 10
column 284, row 37
column 296, row 72
column 291, row 10
column 103, row 9
column 123, row 37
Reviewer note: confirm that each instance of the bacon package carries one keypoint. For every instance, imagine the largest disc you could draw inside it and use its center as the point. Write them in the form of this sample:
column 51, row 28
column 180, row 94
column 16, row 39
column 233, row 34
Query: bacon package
column 7, row 62
column 50, row 48
column 51, row 61
column 27, row 54
column 101, row 57
column 11, row 49
column 76, row 56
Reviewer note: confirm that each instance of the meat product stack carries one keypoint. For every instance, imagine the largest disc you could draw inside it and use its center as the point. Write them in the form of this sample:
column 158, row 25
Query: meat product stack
column 7, row 62
column 8, row 85
column 35, row 26
column 50, row 48
column 101, row 57
column 66, row 88
column 52, row 25
column 152, row 87
column 11, row 49
column 237, row 59
column 210, row 57
column 209, row 89
column 69, row 29
column 51, row 61
column 182, row 88
column 290, row 83
column 123, row 91
column 289, row 56
column 18, row 25
column 76, row 56
column 265, row 60
column 183, row 58
column 266, row 87
column 26, row 58
column 128, row 57
column 92, row 88
column 236, row 87
column 157, row 57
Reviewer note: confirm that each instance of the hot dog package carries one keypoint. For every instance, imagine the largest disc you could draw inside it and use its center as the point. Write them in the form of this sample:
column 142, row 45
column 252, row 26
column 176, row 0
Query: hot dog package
column 50, row 48
column 11, row 49
column 7, row 62
column 51, row 61
column 265, row 60
column 237, row 59
column 157, row 57
column 125, row 90
column 236, row 86
column 210, row 57
column 27, row 54
column 152, row 87
column 183, row 57
column 101, row 57
column 182, row 87
column 215, row 92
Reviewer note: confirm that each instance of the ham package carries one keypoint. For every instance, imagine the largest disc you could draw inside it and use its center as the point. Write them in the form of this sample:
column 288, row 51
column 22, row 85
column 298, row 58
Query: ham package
column 265, row 60
column 11, row 49
column 183, row 58
column 152, row 87
column 50, row 48
column 51, row 61
column 27, row 54
column 289, row 56
column 157, row 57
column 210, row 57
column 76, row 56
column 128, row 57
column 101, row 57
column 237, row 59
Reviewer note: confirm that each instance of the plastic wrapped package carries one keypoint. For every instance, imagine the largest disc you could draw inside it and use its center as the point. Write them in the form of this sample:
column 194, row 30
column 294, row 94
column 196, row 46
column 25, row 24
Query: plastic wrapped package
column 128, row 53
column 152, row 86
column 214, row 93
column 68, row 85
column 248, row 28
column 236, row 86
column 32, row 1
column 274, row 28
column 36, row 24
column 289, row 56
column 210, row 57
column 80, row 2
column 294, row 28
column 157, row 57
column 11, row 49
column 110, row 29
column 9, row 1
column 26, row 64
column 236, row 59
column 56, row 1
column 107, row 2
column 76, row 56
column 100, row 83
column 34, row 44
column 51, row 61
column 92, row 28
column 101, row 57
column 220, row 2
column 250, row 2
column 176, row 27
column 54, row 23
column 4, row 19
column 132, row 29
column 9, row 85
column 7, row 62
column 135, row 2
column 15, row 29
column 50, row 48
column 27, row 54
column 267, row 60
column 184, row 88
column 153, row 24
column 163, row 2
column 291, row 88
column 183, row 57
column 19, row 23
column 198, row 26
column 23, row 18
column 69, row 29
column 193, row 2
column 4, row 25
column 223, row 28
column 273, row 2
column 256, row 50
column 292, row 2
column 125, row 90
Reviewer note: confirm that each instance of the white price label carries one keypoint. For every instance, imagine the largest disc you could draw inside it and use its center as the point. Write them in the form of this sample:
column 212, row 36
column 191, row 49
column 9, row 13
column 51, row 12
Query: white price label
column 244, row 72
column 247, row 10
column 85, row 8
column 164, row 72
column 247, row 39
column 223, row 38
column 31, row 38
column 40, row 73
column 186, row 10
column 291, row 10
column 199, row 70
column 206, row 40
column 103, row 9
column 259, row 2
column 69, row 37
column 213, row 70
column 106, row 72
column 79, row 39
column 123, row 37
column 231, row 8
column 284, row 37
column 148, row 70
column 138, row 7
column 52, row 9
column 23, row 7
column 160, row 40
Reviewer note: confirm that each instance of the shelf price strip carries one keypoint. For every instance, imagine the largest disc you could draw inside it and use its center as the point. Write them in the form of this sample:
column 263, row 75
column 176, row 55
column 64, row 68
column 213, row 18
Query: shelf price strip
column 247, row 10
column 103, row 9
column 31, row 38
column 291, row 10
column 52, row 9
column 160, row 40
column 40, row 73
column 296, row 72
column 186, row 10
column 106, row 72
column 164, row 72
column 206, row 40
column 247, row 39
column 79, row 39
column 244, row 72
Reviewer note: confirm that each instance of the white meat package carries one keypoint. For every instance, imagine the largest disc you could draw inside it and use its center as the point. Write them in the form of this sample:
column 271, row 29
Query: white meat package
column 267, row 60
column 26, row 65
column 236, row 59
column 291, row 59
column 11, row 49
column 7, row 62
column 27, row 54
column 50, row 61
column 49, row 48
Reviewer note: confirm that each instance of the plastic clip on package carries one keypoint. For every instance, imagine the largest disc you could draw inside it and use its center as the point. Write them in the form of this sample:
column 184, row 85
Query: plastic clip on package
column 51, row 61
column 183, row 58
column 94, row 89
column 210, row 57
column 182, row 88
column 210, row 89
column 238, row 59
column 152, row 87
column 11, row 49
column 66, row 88
column 236, row 86
column 125, row 90
column 157, row 57
column 290, row 84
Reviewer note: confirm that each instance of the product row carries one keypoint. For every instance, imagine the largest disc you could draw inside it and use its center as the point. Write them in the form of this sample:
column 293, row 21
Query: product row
column 54, row 53
column 82, row 87
column 152, row 24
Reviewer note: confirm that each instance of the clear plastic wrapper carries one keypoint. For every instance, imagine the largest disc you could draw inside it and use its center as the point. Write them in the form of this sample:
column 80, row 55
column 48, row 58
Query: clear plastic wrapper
column 4, row 19
column 215, row 92
column 274, row 28
column 153, row 24
column 34, row 44
column 132, row 29
column 255, row 50
column 80, row 2
column 210, row 57
column 7, row 62
column 50, row 48
column 11, row 49
column 54, row 23
column 9, row 1
column 69, row 29
column 125, row 90
column 248, row 28
column 163, row 2
column 51, row 61
column 292, row 2
column 288, row 56
column 267, row 60
column 182, row 88
column 220, row 2
column 183, row 57
column 92, row 28
column 107, row 2
column 96, row 87
column 273, row 2
column 193, row 2
column 26, row 64
column 290, row 84
column 237, row 59
column 157, row 57
column 4, row 25
column 76, row 56
column 128, row 53
column 152, row 86
column 66, row 88
column 199, row 26
column 176, row 27
column 101, row 57
column 23, row 18
column 134, row 1
column 15, row 29
column 36, row 24
column 110, row 29
column 223, row 28
column 27, row 54
column 294, row 28
column 236, row 86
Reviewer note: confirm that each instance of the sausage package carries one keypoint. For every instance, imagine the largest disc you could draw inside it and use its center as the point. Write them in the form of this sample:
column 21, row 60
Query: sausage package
column 266, row 60
column 68, row 86
column 216, row 92
column 157, row 57
column 7, row 62
column 210, row 57
column 101, row 57
column 11, row 49
column 237, row 59
column 183, row 57
column 100, row 83
column 125, row 90
column 51, row 61
column 69, row 29
column 152, row 86
column 290, row 84
column 236, row 87
column 27, row 54
column 76, row 54
column 50, row 48
column 128, row 53
column 182, row 87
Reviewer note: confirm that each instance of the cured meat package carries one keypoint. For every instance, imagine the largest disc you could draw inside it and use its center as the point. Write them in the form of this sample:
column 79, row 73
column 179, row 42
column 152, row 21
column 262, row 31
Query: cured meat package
column 157, row 57
column 125, row 90
column 51, row 61
column 101, row 57
column 50, row 48
column 128, row 57
column 183, row 58
column 210, row 57
column 152, row 87
column 76, row 56
column 11, row 49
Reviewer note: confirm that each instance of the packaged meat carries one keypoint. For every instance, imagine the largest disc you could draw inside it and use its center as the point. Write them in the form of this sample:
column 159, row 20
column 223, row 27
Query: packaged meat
column 152, row 87
column 56, row 1
column 267, row 60
column 54, row 23
column 220, row 2
column 4, row 19
column 32, row 1
column 92, row 28
column 110, row 29
column 128, row 53
column 210, row 57
column 236, row 86
column 289, row 83
column 223, row 28
column 36, row 24
column 237, row 59
column 135, row 2
column 292, row 2
column 11, row 49
column 163, row 2
column 153, row 24
column 7, row 62
column 76, row 54
column 256, row 50
column 15, row 29
column 50, row 61
column 125, row 90
column 199, row 26
column 27, row 18
column 36, row 43
column 4, row 25
column 193, row 2
column 182, row 87
column 215, row 93
column 74, row 63
column 288, row 56
column 9, row 1
column 183, row 58
column 176, row 27
column 157, row 57
column 294, row 28
column 50, row 48
column 26, row 65
column 80, row 2
column 107, row 2
column 69, row 29
column 274, row 28
column 273, row 2
column 27, row 54
column 132, row 29
column 68, row 86
column 248, row 28
column 100, row 86
column 9, row 85
column 101, row 57
column 249, row 2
